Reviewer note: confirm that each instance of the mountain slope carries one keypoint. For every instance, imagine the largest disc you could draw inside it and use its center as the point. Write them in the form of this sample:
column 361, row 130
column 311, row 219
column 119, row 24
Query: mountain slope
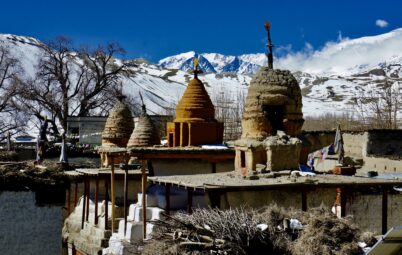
column 327, row 86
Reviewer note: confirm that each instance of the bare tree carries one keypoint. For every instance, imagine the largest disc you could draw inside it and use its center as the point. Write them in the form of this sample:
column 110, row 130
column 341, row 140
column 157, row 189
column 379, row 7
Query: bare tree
column 103, row 77
column 10, row 119
column 69, row 83
column 229, row 110
column 380, row 109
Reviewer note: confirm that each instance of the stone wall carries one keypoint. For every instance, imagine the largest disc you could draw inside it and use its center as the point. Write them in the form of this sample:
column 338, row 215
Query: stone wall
column 379, row 150
column 365, row 207
column 163, row 167
column 354, row 143
column 387, row 143
column 26, row 228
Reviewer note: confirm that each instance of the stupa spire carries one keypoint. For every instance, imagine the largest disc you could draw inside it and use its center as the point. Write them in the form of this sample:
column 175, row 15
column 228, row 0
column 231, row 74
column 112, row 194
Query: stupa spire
column 196, row 71
column 267, row 26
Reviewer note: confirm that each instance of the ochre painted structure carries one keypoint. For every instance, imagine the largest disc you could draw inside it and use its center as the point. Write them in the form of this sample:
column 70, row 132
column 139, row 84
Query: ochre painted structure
column 145, row 133
column 271, row 121
column 118, row 128
column 273, row 103
column 195, row 122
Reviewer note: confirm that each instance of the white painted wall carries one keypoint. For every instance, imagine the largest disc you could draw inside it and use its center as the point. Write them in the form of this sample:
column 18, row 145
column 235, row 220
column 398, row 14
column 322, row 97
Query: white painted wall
column 26, row 228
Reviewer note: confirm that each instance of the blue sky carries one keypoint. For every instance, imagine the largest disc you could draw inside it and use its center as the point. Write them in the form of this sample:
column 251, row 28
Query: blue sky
column 156, row 29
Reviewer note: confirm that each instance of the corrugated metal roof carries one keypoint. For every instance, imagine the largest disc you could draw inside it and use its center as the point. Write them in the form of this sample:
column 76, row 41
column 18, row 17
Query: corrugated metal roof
column 390, row 244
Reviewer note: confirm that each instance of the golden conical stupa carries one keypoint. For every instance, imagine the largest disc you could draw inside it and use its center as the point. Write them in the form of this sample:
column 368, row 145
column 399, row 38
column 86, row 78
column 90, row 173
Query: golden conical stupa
column 195, row 122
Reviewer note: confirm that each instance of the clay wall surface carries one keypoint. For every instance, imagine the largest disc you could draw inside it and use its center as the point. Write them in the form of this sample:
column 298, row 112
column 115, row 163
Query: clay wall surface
column 317, row 139
column 365, row 208
column 164, row 167
column 381, row 164
column 283, row 157
column 26, row 228
column 386, row 143
column 354, row 144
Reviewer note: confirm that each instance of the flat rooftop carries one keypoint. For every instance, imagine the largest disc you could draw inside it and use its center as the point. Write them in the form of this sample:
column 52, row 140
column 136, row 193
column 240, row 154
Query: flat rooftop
column 231, row 181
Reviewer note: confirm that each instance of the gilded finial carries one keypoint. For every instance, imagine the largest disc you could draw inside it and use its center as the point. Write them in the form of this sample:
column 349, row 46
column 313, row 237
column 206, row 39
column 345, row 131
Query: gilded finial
column 267, row 26
column 196, row 71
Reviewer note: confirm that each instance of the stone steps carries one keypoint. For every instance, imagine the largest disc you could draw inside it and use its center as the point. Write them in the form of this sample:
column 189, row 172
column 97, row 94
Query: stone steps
column 135, row 213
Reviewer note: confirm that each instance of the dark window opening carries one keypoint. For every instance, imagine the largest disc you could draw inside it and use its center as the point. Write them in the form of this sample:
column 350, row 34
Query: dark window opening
column 74, row 131
column 242, row 159
column 170, row 140
column 274, row 115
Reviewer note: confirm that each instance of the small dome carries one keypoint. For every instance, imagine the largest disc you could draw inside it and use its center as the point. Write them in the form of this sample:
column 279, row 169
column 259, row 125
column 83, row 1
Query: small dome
column 119, row 126
column 145, row 133
column 195, row 104
column 273, row 102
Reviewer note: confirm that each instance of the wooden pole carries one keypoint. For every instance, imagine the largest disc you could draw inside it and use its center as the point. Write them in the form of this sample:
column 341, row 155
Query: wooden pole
column 106, row 203
column 96, row 199
column 304, row 200
column 88, row 193
column 68, row 200
column 189, row 200
column 343, row 201
column 384, row 210
column 112, row 187
column 83, row 203
column 76, row 194
column 144, row 200
column 125, row 194
column 167, row 198
column 214, row 167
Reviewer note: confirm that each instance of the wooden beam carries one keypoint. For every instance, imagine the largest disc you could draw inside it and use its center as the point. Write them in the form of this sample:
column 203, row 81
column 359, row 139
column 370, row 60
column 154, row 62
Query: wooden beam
column 112, row 190
column 343, row 192
column 96, row 199
column 76, row 194
column 68, row 200
column 189, row 200
column 144, row 200
column 125, row 194
column 214, row 198
column 384, row 213
column 83, row 203
column 88, row 195
column 106, row 203
column 213, row 167
column 206, row 156
column 304, row 200
column 167, row 198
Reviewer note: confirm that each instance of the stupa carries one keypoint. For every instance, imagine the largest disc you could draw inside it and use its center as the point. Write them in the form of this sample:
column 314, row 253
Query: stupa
column 195, row 122
column 271, row 121
column 118, row 128
column 145, row 134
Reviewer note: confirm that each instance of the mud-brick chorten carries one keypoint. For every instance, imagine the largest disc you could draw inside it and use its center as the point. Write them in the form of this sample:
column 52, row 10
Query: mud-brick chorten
column 273, row 103
column 145, row 134
column 195, row 122
column 119, row 125
column 271, row 121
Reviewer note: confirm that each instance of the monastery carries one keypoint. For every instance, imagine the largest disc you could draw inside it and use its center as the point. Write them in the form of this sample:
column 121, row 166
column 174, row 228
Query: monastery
column 140, row 179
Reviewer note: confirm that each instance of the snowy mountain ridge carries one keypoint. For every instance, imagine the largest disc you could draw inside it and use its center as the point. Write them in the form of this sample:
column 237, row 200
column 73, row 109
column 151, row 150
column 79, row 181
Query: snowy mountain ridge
column 345, row 56
column 329, row 78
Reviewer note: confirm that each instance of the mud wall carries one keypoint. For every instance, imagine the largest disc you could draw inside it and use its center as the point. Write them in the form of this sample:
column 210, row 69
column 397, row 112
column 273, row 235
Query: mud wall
column 365, row 207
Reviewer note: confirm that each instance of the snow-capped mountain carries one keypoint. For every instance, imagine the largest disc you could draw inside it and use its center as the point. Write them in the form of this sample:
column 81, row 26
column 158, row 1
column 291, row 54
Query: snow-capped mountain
column 329, row 77
column 216, row 63
column 345, row 56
